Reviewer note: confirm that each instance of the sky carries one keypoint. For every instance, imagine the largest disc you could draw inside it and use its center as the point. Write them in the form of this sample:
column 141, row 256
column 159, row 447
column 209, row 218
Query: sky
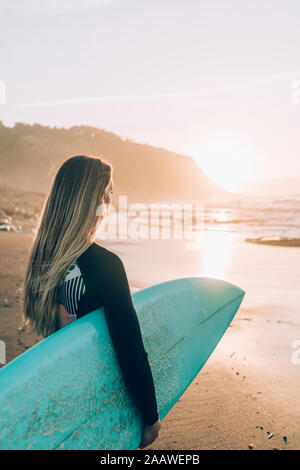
column 216, row 80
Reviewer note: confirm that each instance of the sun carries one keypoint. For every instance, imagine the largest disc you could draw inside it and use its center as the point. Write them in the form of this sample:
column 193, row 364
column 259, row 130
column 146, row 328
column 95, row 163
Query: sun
column 227, row 160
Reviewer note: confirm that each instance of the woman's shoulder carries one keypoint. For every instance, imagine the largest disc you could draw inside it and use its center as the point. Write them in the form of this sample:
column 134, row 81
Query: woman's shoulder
column 101, row 267
column 97, row 255
column 97, row 250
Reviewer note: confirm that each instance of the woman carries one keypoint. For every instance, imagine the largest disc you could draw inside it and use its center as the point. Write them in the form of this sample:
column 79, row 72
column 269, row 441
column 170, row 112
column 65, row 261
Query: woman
column 69, row 275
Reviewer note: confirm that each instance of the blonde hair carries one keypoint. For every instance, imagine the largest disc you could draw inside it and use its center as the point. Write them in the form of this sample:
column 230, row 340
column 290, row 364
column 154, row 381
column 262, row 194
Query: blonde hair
column 67, row 227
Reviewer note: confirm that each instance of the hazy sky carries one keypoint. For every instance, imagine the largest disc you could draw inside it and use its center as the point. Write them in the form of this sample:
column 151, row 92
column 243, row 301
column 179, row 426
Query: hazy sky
column 219, row 80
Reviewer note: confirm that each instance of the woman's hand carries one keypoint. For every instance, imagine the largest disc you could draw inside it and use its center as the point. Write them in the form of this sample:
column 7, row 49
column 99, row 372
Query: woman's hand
column 150, row 433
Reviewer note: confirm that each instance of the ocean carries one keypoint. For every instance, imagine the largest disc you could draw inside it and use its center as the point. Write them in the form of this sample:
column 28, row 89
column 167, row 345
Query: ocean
column 274, row 221
column 267, row 219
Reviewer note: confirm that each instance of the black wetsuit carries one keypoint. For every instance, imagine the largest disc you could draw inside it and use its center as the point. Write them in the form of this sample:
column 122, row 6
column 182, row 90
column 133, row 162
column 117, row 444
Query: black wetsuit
column 99, row 279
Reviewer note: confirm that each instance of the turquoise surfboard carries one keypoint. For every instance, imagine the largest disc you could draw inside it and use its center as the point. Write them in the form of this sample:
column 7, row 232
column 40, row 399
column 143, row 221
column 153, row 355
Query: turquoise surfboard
column 68, row 392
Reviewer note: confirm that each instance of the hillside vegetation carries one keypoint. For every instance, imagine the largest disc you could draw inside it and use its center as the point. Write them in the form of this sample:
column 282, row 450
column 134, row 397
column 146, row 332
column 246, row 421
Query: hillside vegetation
column 31, row 154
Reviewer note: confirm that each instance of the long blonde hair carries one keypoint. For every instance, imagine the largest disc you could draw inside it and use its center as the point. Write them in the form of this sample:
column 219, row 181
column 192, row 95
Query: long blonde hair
column 67, row 226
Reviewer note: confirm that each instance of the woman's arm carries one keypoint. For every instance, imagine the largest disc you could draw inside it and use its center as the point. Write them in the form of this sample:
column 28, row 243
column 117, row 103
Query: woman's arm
column 108, row 279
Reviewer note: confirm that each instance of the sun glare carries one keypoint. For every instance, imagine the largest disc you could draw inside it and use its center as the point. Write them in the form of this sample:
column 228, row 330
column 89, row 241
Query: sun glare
column 228, row 161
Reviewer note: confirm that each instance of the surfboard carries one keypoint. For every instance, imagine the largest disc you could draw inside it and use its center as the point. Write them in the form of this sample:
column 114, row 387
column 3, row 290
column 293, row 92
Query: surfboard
column 68, row 391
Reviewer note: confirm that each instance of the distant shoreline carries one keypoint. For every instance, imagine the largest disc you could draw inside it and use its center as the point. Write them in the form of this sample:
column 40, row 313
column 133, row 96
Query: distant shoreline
column 290, row 242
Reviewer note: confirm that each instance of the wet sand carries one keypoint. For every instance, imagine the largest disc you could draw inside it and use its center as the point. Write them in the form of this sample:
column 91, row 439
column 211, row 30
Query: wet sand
column 250, row 382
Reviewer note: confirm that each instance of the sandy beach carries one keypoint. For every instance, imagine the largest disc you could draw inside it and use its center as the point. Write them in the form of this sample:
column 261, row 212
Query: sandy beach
column 247, row 393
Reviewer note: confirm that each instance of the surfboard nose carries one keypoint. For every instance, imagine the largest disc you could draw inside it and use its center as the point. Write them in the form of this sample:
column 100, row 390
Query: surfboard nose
column 214, row 295
column 207, row 293
column 213, row 291
column 189, row 301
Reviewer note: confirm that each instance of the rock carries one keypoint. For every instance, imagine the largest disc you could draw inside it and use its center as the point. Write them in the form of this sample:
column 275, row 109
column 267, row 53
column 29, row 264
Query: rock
column 8, row 228
column 5, row 228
